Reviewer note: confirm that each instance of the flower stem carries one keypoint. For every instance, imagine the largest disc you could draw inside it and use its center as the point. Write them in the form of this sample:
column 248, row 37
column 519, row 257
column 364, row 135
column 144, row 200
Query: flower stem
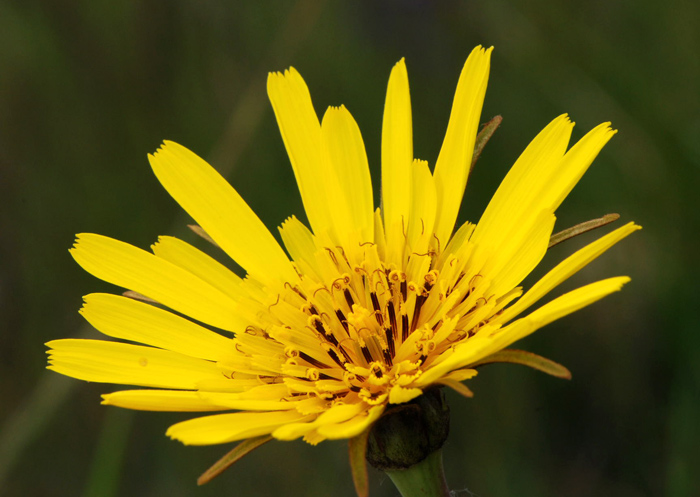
column 425, row 479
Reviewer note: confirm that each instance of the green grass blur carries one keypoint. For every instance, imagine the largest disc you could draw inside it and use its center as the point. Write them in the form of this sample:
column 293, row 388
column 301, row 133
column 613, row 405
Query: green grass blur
column 88, row 88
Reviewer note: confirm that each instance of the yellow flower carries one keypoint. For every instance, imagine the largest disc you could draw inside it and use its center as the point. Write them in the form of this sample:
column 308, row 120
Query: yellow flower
column 374, row 305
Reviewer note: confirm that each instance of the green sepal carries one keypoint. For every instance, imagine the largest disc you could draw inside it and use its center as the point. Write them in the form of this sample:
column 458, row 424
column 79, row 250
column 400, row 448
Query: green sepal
column 357, row 449
column 483, row 138
column 238, row 452
column 527, row 359
column 581, row 228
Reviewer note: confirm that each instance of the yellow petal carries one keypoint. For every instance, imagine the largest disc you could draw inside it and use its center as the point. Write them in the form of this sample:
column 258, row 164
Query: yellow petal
column 301, row 133
column 335, row 414
column 348, row 183
column 516, row 257
column 453, row 163
column 522, row 186
column 399, row 394
column 160, row 400
column 111, row 362
column 423, row 208
column 562, row 306
column 195, row 261
column 221, row 212
column 574, row 164
column 485, row 342
column 565, row 269
column 300, row 245
column 352, row 427
column 231, row 401
column 127, row 266
column 397, row 156
column 128, row 319
column 223, row 428
column 458, row 387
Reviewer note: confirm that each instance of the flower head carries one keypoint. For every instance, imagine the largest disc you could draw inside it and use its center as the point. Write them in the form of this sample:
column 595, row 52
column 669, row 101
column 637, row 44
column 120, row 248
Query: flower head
column 371, row 307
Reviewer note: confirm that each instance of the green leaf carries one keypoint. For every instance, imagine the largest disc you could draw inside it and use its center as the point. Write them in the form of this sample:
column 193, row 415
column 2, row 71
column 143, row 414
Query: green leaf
column 527, row 359
column 357, row 447
column 240, row 450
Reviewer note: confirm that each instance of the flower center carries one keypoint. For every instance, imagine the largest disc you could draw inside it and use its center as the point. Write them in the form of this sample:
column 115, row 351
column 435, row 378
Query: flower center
column 355, row 324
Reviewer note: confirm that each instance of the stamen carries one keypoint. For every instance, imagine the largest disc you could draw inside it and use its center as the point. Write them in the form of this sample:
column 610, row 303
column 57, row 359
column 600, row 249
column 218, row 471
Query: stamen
column 392, row 319
column 389, row 334
column 378, row 314
column 348, row 298
column 404, row 327
column 342, row 319
column 312, row 361
column 365, row 352
column 420, row 300
column 336, row 358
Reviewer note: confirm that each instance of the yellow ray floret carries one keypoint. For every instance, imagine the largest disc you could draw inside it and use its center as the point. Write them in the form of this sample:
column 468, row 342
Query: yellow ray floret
column 375, row 304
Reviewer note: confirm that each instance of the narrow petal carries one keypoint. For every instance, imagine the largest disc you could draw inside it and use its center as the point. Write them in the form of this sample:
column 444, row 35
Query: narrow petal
column 301, row 133
column 160, row 400
column 348, row 184
column 524, row 182
column 352, row 427
column 301, row 245
column 457, row 386
column 128, row 319
column 515, row 258
column 397, row 156
column 221, row 212
column 423, row 207
column 399, row 394
column 129, row 267
column 453, row 163
column 195, row 261
column 567, row 268
column 485, row 343
column 575, row 163
column 224, row 428
column 335, row 414
column 232, row 401
column 111, row 362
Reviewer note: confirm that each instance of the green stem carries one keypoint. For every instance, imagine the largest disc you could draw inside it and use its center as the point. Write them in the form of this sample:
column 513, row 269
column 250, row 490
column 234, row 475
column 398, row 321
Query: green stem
column 425, row 479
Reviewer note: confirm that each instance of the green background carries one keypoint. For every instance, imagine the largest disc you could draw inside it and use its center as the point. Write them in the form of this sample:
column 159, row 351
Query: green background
column 88, row 88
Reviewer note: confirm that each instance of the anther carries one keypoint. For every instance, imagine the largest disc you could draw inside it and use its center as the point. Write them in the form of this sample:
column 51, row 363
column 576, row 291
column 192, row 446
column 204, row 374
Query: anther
column 404, row 327
column 392, row 319
column 365, row 352
column 378, row 314
column 388, row 333
column 387, row 357
column 342, row 319
column 336, row 358
column 420, row 300
column 348, row 297
column 312, row 361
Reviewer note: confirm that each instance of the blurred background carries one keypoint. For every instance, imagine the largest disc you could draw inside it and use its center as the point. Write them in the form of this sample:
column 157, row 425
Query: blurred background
column 88, row 88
